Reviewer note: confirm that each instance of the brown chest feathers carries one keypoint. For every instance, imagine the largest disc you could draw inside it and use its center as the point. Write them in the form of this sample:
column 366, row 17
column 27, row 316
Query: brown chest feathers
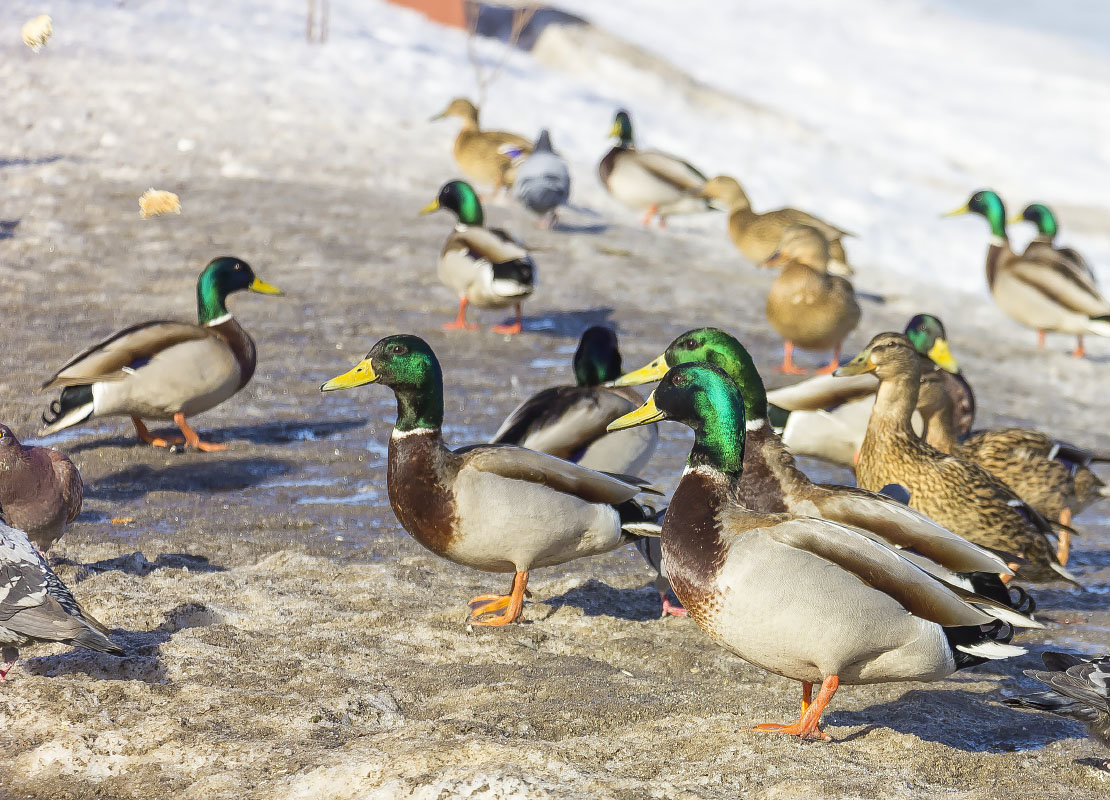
column 418, row 490
column 692, row 546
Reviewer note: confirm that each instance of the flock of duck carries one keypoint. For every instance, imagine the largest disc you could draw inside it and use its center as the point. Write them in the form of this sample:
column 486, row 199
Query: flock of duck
column 908, row 576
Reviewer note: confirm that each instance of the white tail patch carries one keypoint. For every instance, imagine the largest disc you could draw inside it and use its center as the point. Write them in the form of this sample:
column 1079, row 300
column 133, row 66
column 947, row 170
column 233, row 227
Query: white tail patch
column 74, row 416
column 642, row 528
column 992, row 650
column 1099, row 327
column 1001, row 612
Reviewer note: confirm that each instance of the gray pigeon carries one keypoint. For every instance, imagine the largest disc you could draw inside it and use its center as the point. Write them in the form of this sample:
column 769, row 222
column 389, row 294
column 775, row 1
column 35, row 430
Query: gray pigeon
column 40, row 490
column 35, row 606
column 543, row 180
column 1081, row 691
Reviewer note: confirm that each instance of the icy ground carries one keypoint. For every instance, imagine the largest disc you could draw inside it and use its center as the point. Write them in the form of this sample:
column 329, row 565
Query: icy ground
column 286, row 639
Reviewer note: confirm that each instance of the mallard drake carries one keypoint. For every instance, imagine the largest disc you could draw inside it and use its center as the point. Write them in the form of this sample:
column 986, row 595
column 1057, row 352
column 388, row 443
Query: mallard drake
column 1053, row 477
column 496, row 508
column 1041, row 292
column 952, row 491
column 757, row 236
column 773, row 483
column 488, row 157
column 805, row 598
column 1080, row 691
column 1044, row 243
column 164, row 370
column 543, row 181
column 569, row 421
column 35, row 606
column 656, row 183
column 485, row 266
column 826, row 417
column 40, row 490
column 807, row 306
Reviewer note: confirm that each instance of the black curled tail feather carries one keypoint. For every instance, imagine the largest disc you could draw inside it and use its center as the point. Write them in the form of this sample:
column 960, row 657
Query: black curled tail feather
column 71, row 397
column 519, row 270
column 970, row 636
column 638, row 521
column 991, row 586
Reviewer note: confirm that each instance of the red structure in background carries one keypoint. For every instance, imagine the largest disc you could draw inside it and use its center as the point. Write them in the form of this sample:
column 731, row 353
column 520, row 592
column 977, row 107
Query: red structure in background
column 446, row 12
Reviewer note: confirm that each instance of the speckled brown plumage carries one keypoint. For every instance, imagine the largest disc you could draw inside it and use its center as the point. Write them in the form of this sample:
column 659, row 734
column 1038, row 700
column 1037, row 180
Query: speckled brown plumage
column 958, row 494
column 1020, row 458
column 757, row 235
column 40, row 490
column 485, row 156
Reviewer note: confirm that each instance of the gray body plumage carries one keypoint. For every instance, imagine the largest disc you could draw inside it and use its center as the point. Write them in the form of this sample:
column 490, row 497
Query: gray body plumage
column 35, row 606
column 543, row 180
column 1081, row 691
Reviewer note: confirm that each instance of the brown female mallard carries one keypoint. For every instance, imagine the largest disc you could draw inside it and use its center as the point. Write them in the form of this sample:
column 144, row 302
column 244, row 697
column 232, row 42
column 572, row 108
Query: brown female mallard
column 757, row 235
column 488, row 157
column 806, row 305
column 955, row 492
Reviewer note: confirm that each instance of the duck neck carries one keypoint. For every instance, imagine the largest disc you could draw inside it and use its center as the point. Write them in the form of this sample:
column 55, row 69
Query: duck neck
column 895, row 402
column 421, row 407
column 940, row 427
column 211, row 309
column 719, row 444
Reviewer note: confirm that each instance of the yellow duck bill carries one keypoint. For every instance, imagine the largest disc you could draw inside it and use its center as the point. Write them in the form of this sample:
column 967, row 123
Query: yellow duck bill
column 857, row 366
column 360, row 374
column 262, row 287
column 964, row 209
column 647, row 374
column 645, row 414
column 432, row 206
column 942, row 357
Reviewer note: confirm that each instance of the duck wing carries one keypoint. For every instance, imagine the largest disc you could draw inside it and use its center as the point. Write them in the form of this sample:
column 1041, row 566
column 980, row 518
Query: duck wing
column 671, row 169
column 562, row 420
column 519, row 463
column 880, row 568
column 903, row 527
column 111, row 359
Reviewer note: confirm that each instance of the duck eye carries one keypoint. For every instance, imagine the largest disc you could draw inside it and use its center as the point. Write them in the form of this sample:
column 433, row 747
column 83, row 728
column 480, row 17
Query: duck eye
column 680, row 380
column 689, row 344
column 396, row 349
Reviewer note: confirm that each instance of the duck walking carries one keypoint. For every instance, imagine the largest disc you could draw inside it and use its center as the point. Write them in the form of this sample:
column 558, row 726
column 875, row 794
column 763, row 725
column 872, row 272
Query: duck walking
column 495, row 508
column 485, row 267
column 1035, row 289
column 40, row 490
column 651, row 181
column 165, row 370
column 805, row 598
